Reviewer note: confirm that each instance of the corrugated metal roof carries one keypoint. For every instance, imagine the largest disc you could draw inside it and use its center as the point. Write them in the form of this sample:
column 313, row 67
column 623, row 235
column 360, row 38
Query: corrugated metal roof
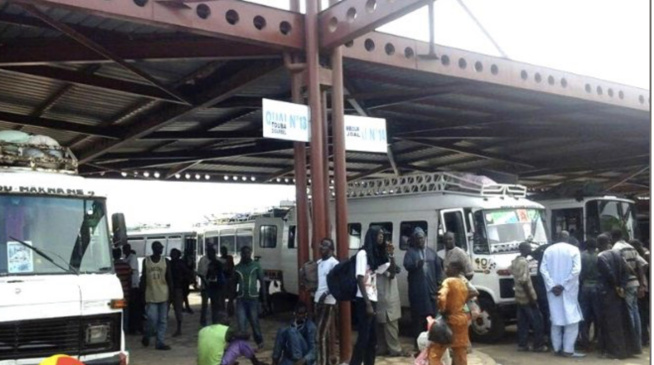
column 449, row 105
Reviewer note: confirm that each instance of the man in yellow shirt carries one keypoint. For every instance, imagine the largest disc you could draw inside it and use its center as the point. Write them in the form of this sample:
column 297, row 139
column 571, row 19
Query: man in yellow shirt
column 219, row 344
column 155, row 283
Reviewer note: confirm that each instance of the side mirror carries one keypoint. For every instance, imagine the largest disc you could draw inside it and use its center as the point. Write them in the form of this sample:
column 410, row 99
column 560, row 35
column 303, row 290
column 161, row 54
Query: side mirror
column 119, row 229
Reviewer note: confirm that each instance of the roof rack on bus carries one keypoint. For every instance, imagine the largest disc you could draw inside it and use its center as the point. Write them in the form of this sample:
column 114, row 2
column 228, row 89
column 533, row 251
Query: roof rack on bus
column 233, row 218
column 438, row 182
column 37, row 156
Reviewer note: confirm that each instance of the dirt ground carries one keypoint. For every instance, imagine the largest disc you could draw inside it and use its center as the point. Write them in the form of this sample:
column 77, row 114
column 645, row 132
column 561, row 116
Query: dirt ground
column 184, row 348
column 504, row 353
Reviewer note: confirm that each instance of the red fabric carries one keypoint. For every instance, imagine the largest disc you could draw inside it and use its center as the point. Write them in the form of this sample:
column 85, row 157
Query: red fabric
column 124, row 273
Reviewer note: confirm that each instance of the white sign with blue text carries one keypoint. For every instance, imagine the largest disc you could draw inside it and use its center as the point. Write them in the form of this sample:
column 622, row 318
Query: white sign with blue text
column 365, row 134
column 287, row 121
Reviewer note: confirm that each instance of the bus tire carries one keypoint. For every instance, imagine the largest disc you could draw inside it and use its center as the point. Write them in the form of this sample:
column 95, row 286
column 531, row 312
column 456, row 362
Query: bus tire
column 490, row 325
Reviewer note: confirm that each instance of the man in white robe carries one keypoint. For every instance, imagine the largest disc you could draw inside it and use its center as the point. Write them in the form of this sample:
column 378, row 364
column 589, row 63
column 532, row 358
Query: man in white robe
column 560, row 269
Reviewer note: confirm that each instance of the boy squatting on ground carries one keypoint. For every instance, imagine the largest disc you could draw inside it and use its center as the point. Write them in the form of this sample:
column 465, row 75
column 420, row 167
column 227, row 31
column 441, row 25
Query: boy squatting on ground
column 220, row 344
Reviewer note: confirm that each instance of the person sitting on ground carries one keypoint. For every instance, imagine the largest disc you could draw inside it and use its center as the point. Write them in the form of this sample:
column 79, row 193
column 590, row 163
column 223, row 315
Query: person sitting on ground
column 220, row 344
column 452, row 296
column 295, row 344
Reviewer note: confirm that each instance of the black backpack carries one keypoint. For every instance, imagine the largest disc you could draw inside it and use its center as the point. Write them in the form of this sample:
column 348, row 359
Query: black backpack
column 342, row 281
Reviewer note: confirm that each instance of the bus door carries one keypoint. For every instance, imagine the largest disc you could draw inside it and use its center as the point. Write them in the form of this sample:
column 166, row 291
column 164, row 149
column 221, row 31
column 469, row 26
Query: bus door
column 268, row 239
column 191, row 250
column 455, row 221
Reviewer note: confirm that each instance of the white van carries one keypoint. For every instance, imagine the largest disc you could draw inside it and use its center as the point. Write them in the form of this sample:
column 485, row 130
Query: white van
column 59, row 293
column 185, row 240
column 489, row 221
column 587, row 217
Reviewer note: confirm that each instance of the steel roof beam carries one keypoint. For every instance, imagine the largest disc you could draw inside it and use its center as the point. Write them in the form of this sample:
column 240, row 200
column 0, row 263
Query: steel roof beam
column 187, row 158
column 228, row 19
column 202, row 135
column 604, row 162
column 150, row 123
column 58, row 124
column 96, row 47
column 470, row 151
column 625, row 178
column 514, row 131
column 350, row 19
column 374, row 47
column 384, row 49
column 140, row 48
column 100, row 82
column 494, row 120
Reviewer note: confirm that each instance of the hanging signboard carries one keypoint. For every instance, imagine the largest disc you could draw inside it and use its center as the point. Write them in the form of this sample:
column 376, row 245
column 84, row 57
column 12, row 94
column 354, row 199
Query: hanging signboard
column 365, row 134
column 288, row 121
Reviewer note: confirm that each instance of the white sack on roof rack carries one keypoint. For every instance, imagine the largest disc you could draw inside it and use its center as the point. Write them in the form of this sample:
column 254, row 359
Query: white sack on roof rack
column 41, row 140
column 14, row 137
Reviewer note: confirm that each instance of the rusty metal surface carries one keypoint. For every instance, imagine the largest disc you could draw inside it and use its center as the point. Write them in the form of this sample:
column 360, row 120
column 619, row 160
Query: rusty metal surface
column 349, row 19
column 474, row 66
column 231, row 19
column 440, row 116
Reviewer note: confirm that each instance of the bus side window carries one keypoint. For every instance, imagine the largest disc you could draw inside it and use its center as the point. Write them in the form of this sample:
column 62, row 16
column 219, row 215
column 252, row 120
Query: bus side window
column 454, row 223
column 354, row 232
column 138, row 245
column 406, row 232
column 291, row 236
column 388, row 230
column 174, row 242
column 244, row 238
column 268, row 236
column 212, row 241
column 228, row 240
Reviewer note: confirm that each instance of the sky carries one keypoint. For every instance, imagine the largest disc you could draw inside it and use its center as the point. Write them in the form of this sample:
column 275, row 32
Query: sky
column 606, row 39
column 182, row 204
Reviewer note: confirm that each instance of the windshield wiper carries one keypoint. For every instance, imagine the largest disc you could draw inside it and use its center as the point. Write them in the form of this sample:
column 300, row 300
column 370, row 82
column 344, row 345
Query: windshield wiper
column 45, row 256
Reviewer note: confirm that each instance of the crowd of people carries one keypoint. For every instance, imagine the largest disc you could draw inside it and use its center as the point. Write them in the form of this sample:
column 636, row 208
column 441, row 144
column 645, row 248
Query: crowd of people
column 602, row 288
column 573, row 294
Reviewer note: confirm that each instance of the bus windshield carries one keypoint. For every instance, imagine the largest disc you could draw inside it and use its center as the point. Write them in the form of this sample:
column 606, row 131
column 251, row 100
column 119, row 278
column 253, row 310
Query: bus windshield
column 606, row 215
column 71, row 231
column 502, row 230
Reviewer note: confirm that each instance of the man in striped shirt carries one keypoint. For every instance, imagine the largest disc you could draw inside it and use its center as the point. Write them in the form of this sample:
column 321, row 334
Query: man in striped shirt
column 526, row 299
column 124, row 273
column 637, row 281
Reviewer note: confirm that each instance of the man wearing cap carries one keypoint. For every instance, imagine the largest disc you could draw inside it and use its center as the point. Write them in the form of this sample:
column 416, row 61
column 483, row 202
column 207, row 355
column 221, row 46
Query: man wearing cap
column 425, row 275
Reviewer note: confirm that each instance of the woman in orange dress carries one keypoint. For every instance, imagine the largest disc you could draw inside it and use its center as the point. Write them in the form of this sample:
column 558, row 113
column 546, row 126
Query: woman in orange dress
column 452, row 296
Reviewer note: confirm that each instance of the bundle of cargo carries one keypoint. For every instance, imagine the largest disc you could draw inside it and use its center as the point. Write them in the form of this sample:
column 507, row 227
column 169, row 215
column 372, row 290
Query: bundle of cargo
column 35, row 151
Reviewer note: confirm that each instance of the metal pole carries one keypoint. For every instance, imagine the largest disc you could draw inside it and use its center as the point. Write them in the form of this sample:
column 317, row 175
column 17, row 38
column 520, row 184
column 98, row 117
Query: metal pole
column 319, row 205
column 340, row 189
column 327, row 192
column 432, row 41
column 300, row 151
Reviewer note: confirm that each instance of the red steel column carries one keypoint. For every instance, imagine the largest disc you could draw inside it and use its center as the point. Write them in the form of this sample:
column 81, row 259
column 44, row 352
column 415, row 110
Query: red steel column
column 319, row 204
column 301, row 201
column 340, row 189
column 327, row 193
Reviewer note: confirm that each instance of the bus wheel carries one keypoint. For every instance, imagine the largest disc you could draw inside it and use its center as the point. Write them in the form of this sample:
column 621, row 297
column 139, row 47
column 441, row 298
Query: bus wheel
column 489, row 326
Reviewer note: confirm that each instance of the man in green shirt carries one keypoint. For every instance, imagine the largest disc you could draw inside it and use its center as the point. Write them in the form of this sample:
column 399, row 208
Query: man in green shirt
column 248, row 272
column 219, row 344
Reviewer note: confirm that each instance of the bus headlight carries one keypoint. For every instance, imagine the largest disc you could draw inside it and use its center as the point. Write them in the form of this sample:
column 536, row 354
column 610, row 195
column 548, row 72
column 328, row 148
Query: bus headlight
column 97, row 334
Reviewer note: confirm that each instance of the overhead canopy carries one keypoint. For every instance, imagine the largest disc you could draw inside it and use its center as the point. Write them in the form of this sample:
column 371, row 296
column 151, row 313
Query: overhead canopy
column 179, row 93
